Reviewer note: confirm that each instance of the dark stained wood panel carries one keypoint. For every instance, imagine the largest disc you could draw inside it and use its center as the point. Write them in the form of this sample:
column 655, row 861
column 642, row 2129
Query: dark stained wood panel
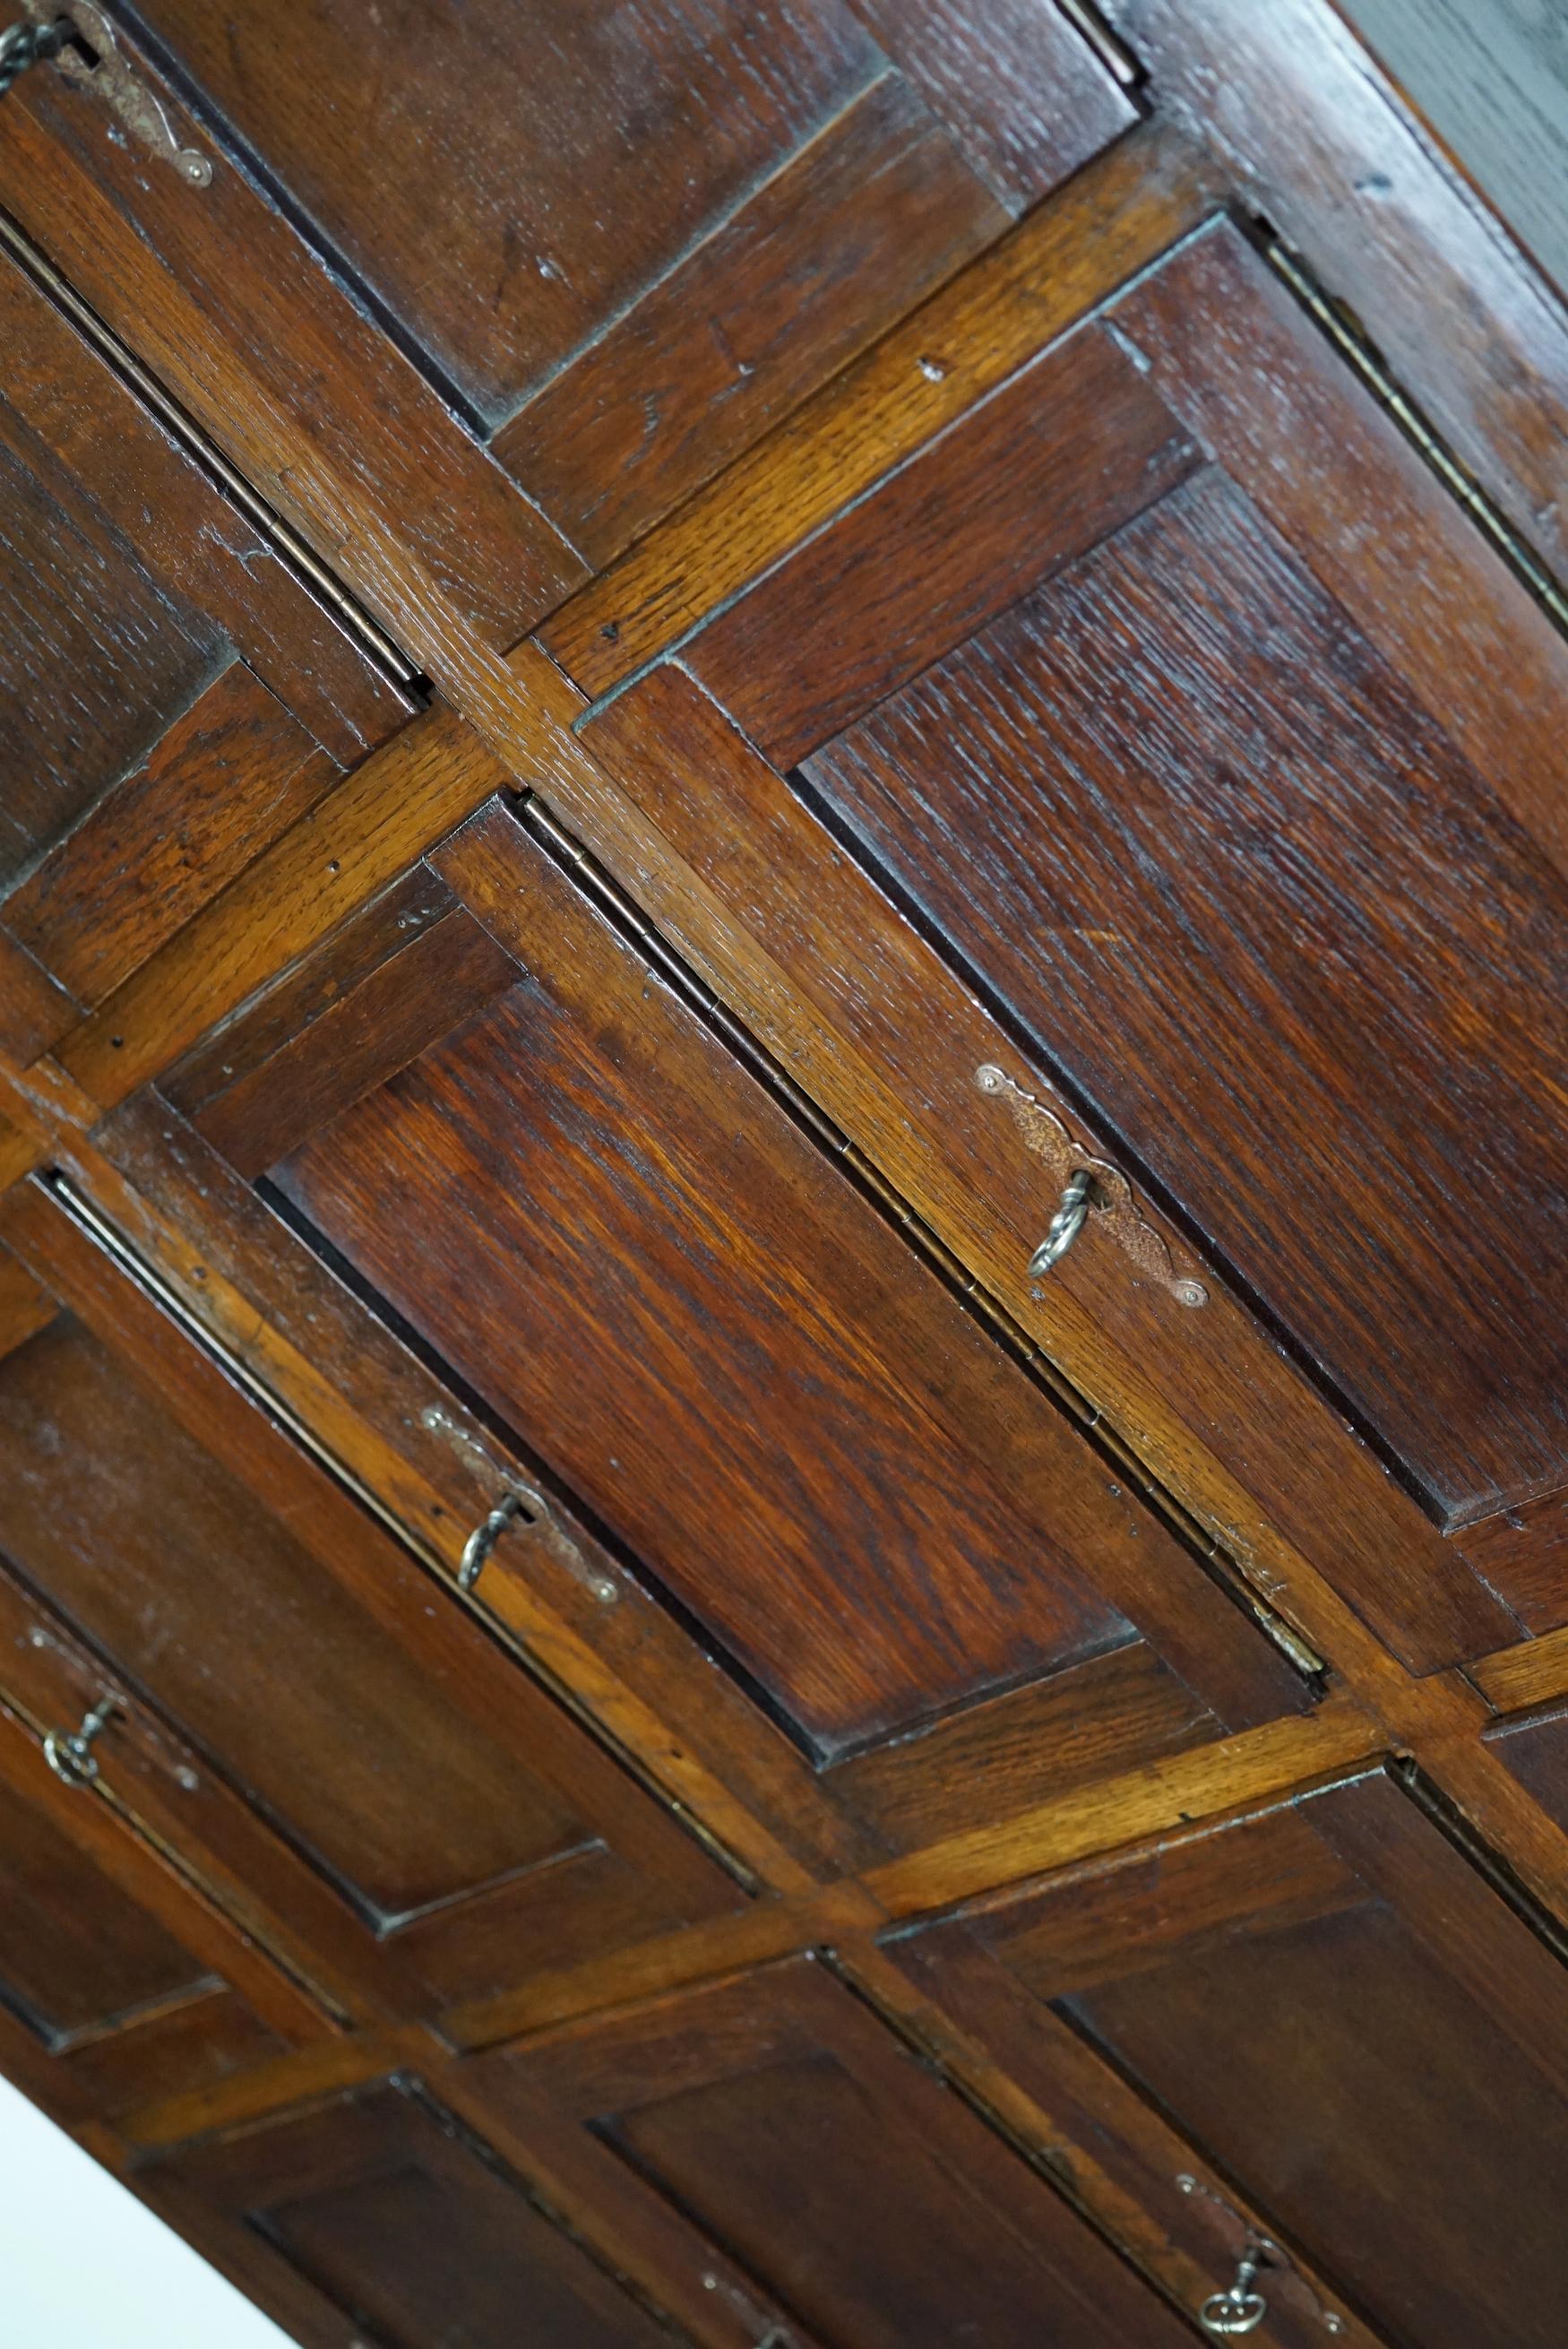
column 565, row 160
column 97, row 657
column 876, row 210
column 161, row 1556
column 764, row 1392
column 1349, row 2024
column 803, row 2140
column 109, row 1965
column 1537, row 1753
column 1254, row 842
column 382, row 2216
column 1055, row 461
column 1025, row 97
column 73, row 1951
column 467, row 1830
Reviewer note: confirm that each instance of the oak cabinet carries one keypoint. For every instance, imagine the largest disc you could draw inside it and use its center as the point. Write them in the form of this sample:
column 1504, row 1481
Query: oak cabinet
column 804, row 2143
column 466, row 1828
column 1346, row 2021
column 783, row 1554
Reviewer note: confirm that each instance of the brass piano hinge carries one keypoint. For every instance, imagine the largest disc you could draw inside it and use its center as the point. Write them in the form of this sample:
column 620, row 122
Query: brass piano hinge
column 1350, row 339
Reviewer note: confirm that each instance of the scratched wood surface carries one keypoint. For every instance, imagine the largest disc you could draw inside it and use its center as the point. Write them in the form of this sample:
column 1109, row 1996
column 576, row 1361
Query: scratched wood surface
column 662, row 661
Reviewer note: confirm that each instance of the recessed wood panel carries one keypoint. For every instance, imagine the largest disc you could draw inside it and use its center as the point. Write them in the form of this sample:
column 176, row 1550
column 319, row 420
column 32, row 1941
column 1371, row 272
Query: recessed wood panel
column 781, row 2119
column 763, row 1392
column 1344, row 2019
column 163, row 1559
column 382, row 2216
column 1283, row 937
column 108, row 1968
column 74, row 1950
column 468, row 1829
column 97, row 658
column 509, row 187
column 835, row 247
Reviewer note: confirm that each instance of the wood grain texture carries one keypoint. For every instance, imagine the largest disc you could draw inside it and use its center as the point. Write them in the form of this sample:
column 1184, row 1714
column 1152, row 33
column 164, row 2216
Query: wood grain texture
column 1229, row 350
column 642, row 127
column 1523, row 1554
column 1261, row 928
column 1314, row 139
column 1536, row 1752
column 382, row 2217
column 309, row 1658
column 218, row 787
column 781, row 2119
column 405, row 910
column 1447, row 2042
column 1053, row 2089
column 269, row 1301
column 849, row 235
column 1494, row 82
column 350, row 845
column 1124, row 209
column 448, row 973
column 108, row 1963
column 234, row 314
column 1020, row 89
column 99, row 657
column 1079, row 1727
column 35, row 1009
column 1059, row 458
column 155, row 503
column 718, row 1278
column 853, row 999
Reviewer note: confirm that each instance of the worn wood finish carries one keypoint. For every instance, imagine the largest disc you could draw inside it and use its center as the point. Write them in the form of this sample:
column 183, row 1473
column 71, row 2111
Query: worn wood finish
column 1348, row 2022
column 1064, row 454
column 678, row 109
column 1274, row 1053
column 875, row 210
column 376, row 2216
column 358, row 836
column 778, row 2116
column 112, row 1968
column 1124, row 210
column 1023, row 93
column 1536, row 1752
column 1492, row 82
column 464, row 1820
column 988, row 885
column 143, row 499
column 717, row 1220
column 1315, row 140
column 221, row 783
column 1033, row 710
column 752, row 886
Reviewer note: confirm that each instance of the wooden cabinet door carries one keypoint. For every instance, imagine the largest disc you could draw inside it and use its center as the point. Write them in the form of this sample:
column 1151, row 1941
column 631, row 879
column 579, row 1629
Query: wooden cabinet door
column 722, row 202
column 552, row 1169
column 375, row 2222
column 1201, row 747
column 175, row 695
column 470, row 1832
column 811, row 2148
column 114, row 1974
column 1343, row 2016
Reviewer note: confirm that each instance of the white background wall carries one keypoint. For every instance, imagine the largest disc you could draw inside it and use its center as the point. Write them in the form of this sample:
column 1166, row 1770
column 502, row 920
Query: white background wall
column 84, row 2266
